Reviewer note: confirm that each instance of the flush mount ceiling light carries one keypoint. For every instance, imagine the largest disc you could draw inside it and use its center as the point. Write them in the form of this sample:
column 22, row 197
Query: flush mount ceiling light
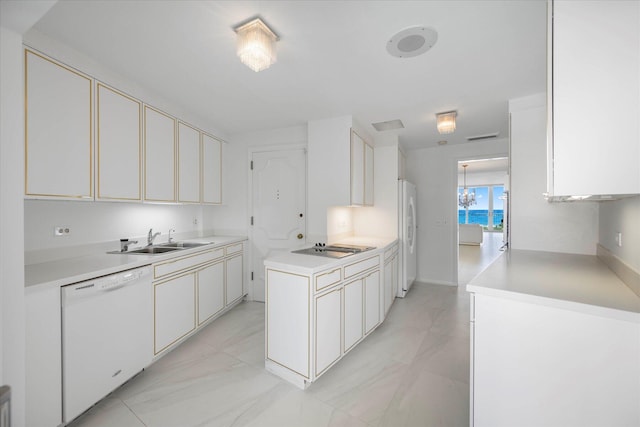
column 446, row 122
column 412, row 42
column 388, row 125
column 256, row 45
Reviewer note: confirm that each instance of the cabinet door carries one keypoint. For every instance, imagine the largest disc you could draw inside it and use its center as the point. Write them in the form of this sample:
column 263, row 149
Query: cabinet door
column 175, row 310
column 371, row 301
column 357, row 169
column 328, row 326
column 118, row 145
column 389, row 273
column 188, row 164
column 353, row 316
column 368, row 175
column 211, row 170
column 235, row 285
column 595, row 98
column 159, row 159
column 58, row 135
column 210, row 291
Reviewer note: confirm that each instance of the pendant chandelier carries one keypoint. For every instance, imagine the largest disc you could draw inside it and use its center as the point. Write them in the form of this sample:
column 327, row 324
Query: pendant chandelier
column 466, row 199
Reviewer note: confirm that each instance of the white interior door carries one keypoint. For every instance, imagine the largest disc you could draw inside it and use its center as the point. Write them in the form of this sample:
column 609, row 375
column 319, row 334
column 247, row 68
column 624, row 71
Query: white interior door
column 278, row 207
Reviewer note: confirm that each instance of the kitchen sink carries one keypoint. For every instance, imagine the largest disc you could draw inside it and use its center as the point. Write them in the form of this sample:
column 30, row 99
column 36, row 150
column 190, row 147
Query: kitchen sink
column 152, row 250
column 162, row 248
column 180, row 245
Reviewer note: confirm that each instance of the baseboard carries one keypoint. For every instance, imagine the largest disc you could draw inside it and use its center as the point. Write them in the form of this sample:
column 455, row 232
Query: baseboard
column 434, row 282
column 626, row 273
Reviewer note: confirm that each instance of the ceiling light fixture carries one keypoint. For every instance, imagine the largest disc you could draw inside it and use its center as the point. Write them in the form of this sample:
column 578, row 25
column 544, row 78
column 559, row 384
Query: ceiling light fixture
column 256, row 45
column 446, row 122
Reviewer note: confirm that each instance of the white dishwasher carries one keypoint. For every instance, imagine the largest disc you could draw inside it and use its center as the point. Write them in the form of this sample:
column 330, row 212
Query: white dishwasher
column 107, row 336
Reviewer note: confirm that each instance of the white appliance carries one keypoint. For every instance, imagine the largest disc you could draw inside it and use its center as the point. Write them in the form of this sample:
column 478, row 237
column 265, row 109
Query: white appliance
column 407, row 236
column 107, row 336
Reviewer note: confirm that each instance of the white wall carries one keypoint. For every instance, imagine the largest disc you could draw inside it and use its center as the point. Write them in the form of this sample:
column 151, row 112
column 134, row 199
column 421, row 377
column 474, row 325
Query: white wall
column 434, row 171
column 96, row 222
column 484, row 178
column 535, row 223
column 622, row 216
column 12, row 309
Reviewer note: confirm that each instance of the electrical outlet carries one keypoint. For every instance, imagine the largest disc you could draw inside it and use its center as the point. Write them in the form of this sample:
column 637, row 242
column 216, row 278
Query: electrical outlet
column 195, row 221
column 61, row 230
column 619, row 239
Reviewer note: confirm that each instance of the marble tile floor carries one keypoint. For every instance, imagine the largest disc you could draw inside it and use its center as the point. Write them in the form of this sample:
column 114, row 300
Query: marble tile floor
column 413, row 370
column 473, row 259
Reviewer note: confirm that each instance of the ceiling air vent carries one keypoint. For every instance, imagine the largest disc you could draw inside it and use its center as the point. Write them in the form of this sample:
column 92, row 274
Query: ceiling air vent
column 389, row 125
column 481, row 137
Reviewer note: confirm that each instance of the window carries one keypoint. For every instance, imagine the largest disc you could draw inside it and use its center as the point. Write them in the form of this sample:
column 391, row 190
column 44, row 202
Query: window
column 488, row 210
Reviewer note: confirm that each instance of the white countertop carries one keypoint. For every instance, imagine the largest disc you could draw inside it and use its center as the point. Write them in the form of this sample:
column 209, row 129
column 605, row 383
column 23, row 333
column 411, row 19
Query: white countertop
column 77, row 269
column 574, row 282
column 311, row 264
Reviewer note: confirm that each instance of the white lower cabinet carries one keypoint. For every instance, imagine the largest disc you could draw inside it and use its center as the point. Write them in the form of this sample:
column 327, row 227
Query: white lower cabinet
column 314, row 319
column 210, row 291
column 353, row 314
column 537, row 364
column 175, row 310
column 192, row 290
column 390, row 280
column 235, row 287
column 371, row 301
column 328, row 335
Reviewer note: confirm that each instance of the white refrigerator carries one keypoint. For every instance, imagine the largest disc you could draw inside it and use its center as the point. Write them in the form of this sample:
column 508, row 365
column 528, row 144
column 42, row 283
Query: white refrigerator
column 407, row 236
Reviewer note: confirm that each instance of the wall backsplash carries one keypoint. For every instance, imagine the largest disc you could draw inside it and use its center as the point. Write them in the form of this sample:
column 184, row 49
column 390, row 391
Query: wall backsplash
column 97, row 222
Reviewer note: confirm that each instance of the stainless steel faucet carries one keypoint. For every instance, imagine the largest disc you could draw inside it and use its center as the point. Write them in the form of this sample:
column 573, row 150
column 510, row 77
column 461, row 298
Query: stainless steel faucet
column 125, row 243
column 151, row 237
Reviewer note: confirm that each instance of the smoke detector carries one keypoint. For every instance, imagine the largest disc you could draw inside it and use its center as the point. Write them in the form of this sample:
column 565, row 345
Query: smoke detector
column 412, row 41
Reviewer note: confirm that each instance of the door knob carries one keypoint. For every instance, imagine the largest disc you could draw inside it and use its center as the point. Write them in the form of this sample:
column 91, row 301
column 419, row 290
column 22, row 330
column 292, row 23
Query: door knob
column 300, row 236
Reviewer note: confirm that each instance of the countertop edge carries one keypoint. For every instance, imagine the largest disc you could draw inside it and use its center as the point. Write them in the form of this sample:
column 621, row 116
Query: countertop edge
column 35, row 280
column 493, row 282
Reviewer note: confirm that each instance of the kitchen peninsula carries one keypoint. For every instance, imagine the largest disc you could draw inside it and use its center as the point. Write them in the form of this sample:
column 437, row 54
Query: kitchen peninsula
column 555, row 340
column 318, row 308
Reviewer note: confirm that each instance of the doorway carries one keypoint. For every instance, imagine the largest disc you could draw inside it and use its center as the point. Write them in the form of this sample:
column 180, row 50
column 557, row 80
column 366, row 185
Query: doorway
column 482, row 214
column 278, row 208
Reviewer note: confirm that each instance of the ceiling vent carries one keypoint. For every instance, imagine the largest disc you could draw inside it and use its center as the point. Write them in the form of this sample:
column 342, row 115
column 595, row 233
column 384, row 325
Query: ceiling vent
column 481, row 137
column 413, row 41
column 389, row 125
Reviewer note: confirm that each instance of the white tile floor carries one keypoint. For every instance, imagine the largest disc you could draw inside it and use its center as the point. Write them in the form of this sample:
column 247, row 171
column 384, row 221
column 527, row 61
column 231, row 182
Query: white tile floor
column 412, row 371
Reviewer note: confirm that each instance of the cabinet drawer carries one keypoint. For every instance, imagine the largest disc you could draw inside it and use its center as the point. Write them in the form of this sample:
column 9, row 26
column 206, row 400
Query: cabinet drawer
column 360, row 266
column 390, row 252
column 232, row 249
column 176, row 265
column 329, row 278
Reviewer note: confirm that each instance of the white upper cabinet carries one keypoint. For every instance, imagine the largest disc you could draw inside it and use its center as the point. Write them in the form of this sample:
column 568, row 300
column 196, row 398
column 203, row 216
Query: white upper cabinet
column 211, row 170
column 188, row 164
column 58, row 137
column 361, row 171
column 368, row 175
column 594, row 90
column 357, row 169
column 159, row 142
column 118, row 145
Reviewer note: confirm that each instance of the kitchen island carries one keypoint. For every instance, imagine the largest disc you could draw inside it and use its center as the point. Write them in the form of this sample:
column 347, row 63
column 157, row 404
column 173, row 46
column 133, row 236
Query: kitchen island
column 555, row 341
column 319, row 308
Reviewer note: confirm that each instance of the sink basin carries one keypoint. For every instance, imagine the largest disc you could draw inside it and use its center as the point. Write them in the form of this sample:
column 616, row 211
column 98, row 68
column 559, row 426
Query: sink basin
column 152, row 250
column 183, row 244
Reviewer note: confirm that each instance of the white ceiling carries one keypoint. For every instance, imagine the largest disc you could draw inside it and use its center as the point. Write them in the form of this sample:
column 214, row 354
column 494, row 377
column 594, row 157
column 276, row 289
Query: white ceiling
column 498, row 164
column 332, row 60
